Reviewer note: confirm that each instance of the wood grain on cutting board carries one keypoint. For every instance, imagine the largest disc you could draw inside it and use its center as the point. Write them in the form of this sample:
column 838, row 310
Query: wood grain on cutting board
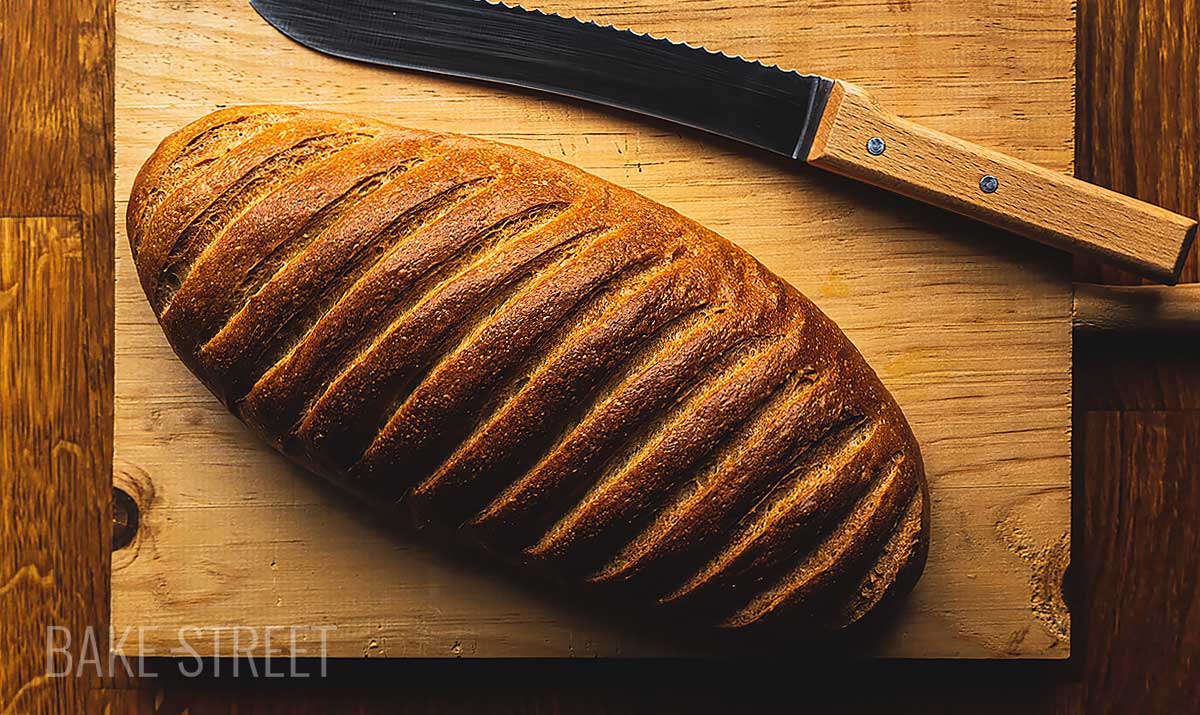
column 969, row 328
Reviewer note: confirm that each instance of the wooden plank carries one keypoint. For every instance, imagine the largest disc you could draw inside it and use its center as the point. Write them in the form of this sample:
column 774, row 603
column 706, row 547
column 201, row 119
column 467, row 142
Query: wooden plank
column 1142, row 497
column 1151, row 51
column 55, row 349
column 969, row 329
column 53, row 545
column 39, row 154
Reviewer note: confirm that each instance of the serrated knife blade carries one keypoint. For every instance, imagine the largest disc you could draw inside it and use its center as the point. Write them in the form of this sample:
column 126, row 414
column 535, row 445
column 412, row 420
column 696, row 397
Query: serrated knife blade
column 829, row 123
column 711, row 91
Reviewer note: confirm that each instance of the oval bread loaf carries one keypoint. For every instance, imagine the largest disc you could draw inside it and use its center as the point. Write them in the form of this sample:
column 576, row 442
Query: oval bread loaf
column 559, row 370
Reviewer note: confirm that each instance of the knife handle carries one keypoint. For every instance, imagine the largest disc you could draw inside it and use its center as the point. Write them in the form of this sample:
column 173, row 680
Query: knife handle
column 857, row 139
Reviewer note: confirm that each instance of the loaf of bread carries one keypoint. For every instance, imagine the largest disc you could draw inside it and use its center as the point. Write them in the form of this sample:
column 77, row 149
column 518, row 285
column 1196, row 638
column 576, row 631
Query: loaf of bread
column 549, row 367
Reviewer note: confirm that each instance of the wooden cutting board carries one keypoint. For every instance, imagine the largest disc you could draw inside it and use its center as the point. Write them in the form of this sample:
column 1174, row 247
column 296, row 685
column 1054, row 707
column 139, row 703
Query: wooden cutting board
column 970, row 329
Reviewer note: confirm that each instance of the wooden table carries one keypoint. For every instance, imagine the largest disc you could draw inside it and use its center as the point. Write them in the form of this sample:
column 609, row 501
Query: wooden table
column 1137, row 422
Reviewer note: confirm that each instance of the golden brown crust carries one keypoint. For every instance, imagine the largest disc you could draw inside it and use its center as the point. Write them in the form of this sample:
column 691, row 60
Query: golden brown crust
column 572, row 376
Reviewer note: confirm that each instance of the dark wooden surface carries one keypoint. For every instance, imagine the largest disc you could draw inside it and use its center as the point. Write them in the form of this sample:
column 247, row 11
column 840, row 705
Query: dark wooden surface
column 1134, row 580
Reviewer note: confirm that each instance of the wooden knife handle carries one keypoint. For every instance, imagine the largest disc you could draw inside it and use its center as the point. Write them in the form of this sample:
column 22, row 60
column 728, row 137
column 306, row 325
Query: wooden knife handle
column 858, row 139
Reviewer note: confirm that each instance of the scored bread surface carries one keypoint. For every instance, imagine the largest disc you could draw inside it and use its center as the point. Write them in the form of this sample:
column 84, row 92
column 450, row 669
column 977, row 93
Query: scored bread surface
column 561, row 371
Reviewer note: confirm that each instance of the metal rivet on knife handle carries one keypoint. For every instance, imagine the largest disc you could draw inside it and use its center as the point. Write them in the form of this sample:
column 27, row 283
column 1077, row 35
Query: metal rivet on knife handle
column 875, row 146
column 989, row 184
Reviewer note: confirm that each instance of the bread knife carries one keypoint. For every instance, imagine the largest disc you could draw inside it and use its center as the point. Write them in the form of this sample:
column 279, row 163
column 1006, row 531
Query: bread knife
column 829, row 123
